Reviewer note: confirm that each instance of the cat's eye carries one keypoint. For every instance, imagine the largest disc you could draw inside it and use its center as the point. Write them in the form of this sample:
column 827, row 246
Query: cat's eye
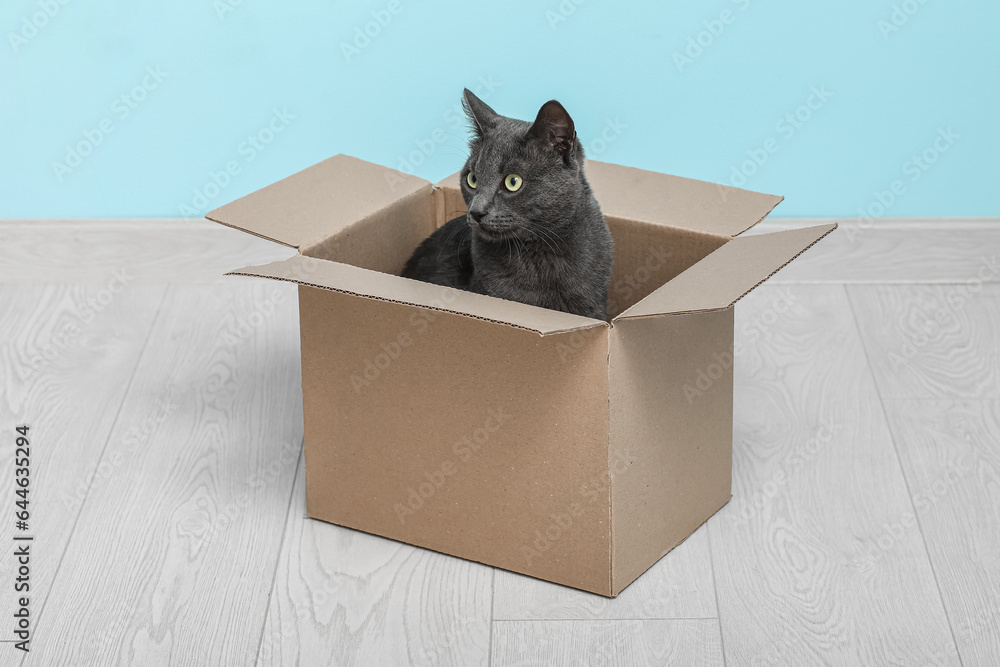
column 472, row 180
column 513, row 182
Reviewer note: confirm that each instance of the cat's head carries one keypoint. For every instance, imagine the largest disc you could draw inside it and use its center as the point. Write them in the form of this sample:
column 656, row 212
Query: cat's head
column 522, row 179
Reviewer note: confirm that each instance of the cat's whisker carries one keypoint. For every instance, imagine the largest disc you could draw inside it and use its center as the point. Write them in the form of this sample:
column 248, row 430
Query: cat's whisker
column 539, row 237
column 445, row 246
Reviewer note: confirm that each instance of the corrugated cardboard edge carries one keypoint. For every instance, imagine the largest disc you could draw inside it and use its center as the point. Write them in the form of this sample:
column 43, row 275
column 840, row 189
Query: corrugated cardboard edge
column 626, row 316
column 611, row 483
column 246, row 271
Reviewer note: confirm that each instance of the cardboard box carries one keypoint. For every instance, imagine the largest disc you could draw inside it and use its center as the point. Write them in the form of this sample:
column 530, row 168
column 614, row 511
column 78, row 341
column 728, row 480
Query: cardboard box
column 566, row 448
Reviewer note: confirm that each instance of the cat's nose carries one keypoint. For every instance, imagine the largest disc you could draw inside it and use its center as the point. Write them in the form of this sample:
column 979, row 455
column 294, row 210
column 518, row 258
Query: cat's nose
column 477, row 214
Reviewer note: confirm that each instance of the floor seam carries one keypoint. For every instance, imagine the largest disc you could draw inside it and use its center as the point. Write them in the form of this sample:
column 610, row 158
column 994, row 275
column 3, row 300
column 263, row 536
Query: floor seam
column 902, row 472
column 104, row 449
column 281, row 548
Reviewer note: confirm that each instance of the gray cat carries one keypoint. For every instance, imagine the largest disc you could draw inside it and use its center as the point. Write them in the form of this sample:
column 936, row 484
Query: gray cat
column 534, row 232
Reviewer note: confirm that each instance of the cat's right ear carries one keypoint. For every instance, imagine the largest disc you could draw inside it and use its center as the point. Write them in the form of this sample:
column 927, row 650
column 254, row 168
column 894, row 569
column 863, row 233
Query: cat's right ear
column 482, row 116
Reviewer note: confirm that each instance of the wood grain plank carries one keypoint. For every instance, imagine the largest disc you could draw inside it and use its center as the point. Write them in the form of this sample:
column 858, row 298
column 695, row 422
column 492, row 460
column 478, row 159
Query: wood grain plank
column 892, row 250
column 950, row 450
column 343, row 597
column 154, row 250
column 172, row 558
column 67, row 353
column 678, row 586
column 816, row 482
column 606, row 642
column 928, row 341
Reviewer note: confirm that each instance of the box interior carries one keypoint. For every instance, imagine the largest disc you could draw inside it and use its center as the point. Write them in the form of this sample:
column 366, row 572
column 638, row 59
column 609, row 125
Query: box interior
column 646, row 256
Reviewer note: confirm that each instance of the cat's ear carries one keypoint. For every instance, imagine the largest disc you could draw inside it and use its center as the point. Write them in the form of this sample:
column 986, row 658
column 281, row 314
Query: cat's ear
column 482, row 116
column 554, row 128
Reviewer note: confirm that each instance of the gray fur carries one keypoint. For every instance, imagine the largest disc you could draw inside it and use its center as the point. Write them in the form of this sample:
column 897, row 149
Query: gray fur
column 546, row 244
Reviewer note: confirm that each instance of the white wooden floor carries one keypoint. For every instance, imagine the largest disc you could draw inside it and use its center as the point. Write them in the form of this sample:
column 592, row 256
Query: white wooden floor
column 168, row 504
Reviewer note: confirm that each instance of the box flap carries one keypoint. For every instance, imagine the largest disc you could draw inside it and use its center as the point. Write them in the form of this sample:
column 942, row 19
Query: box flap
column 686, row 203
column 386, row 287
column 318, row 201
column 729, row 273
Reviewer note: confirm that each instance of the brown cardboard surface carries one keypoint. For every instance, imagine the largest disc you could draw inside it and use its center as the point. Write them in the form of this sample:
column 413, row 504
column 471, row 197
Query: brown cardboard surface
column 384, row 240
column 318, row 201
column 726, row 275
column 685, row 203
column 649, row 255
column 385, row 287
column 395, row 398
column 448, row 194
column 671, row 407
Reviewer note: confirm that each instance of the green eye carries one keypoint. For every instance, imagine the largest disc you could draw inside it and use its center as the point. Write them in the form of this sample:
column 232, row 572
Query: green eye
column 513, row 182
column 471, row 180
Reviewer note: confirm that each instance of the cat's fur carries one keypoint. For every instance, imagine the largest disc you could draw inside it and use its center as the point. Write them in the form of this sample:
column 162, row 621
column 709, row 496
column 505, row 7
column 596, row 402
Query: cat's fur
column 546, row 244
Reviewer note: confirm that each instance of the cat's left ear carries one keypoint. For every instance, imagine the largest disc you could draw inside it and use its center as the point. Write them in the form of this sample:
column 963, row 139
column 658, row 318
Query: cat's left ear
column 554, row 128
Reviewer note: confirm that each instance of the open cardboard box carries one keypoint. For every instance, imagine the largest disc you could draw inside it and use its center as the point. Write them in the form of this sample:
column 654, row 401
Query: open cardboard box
column 559, row 446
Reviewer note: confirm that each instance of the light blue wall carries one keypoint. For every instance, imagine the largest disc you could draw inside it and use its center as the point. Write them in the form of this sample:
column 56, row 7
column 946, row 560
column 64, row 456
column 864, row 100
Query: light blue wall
column 895, row 80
